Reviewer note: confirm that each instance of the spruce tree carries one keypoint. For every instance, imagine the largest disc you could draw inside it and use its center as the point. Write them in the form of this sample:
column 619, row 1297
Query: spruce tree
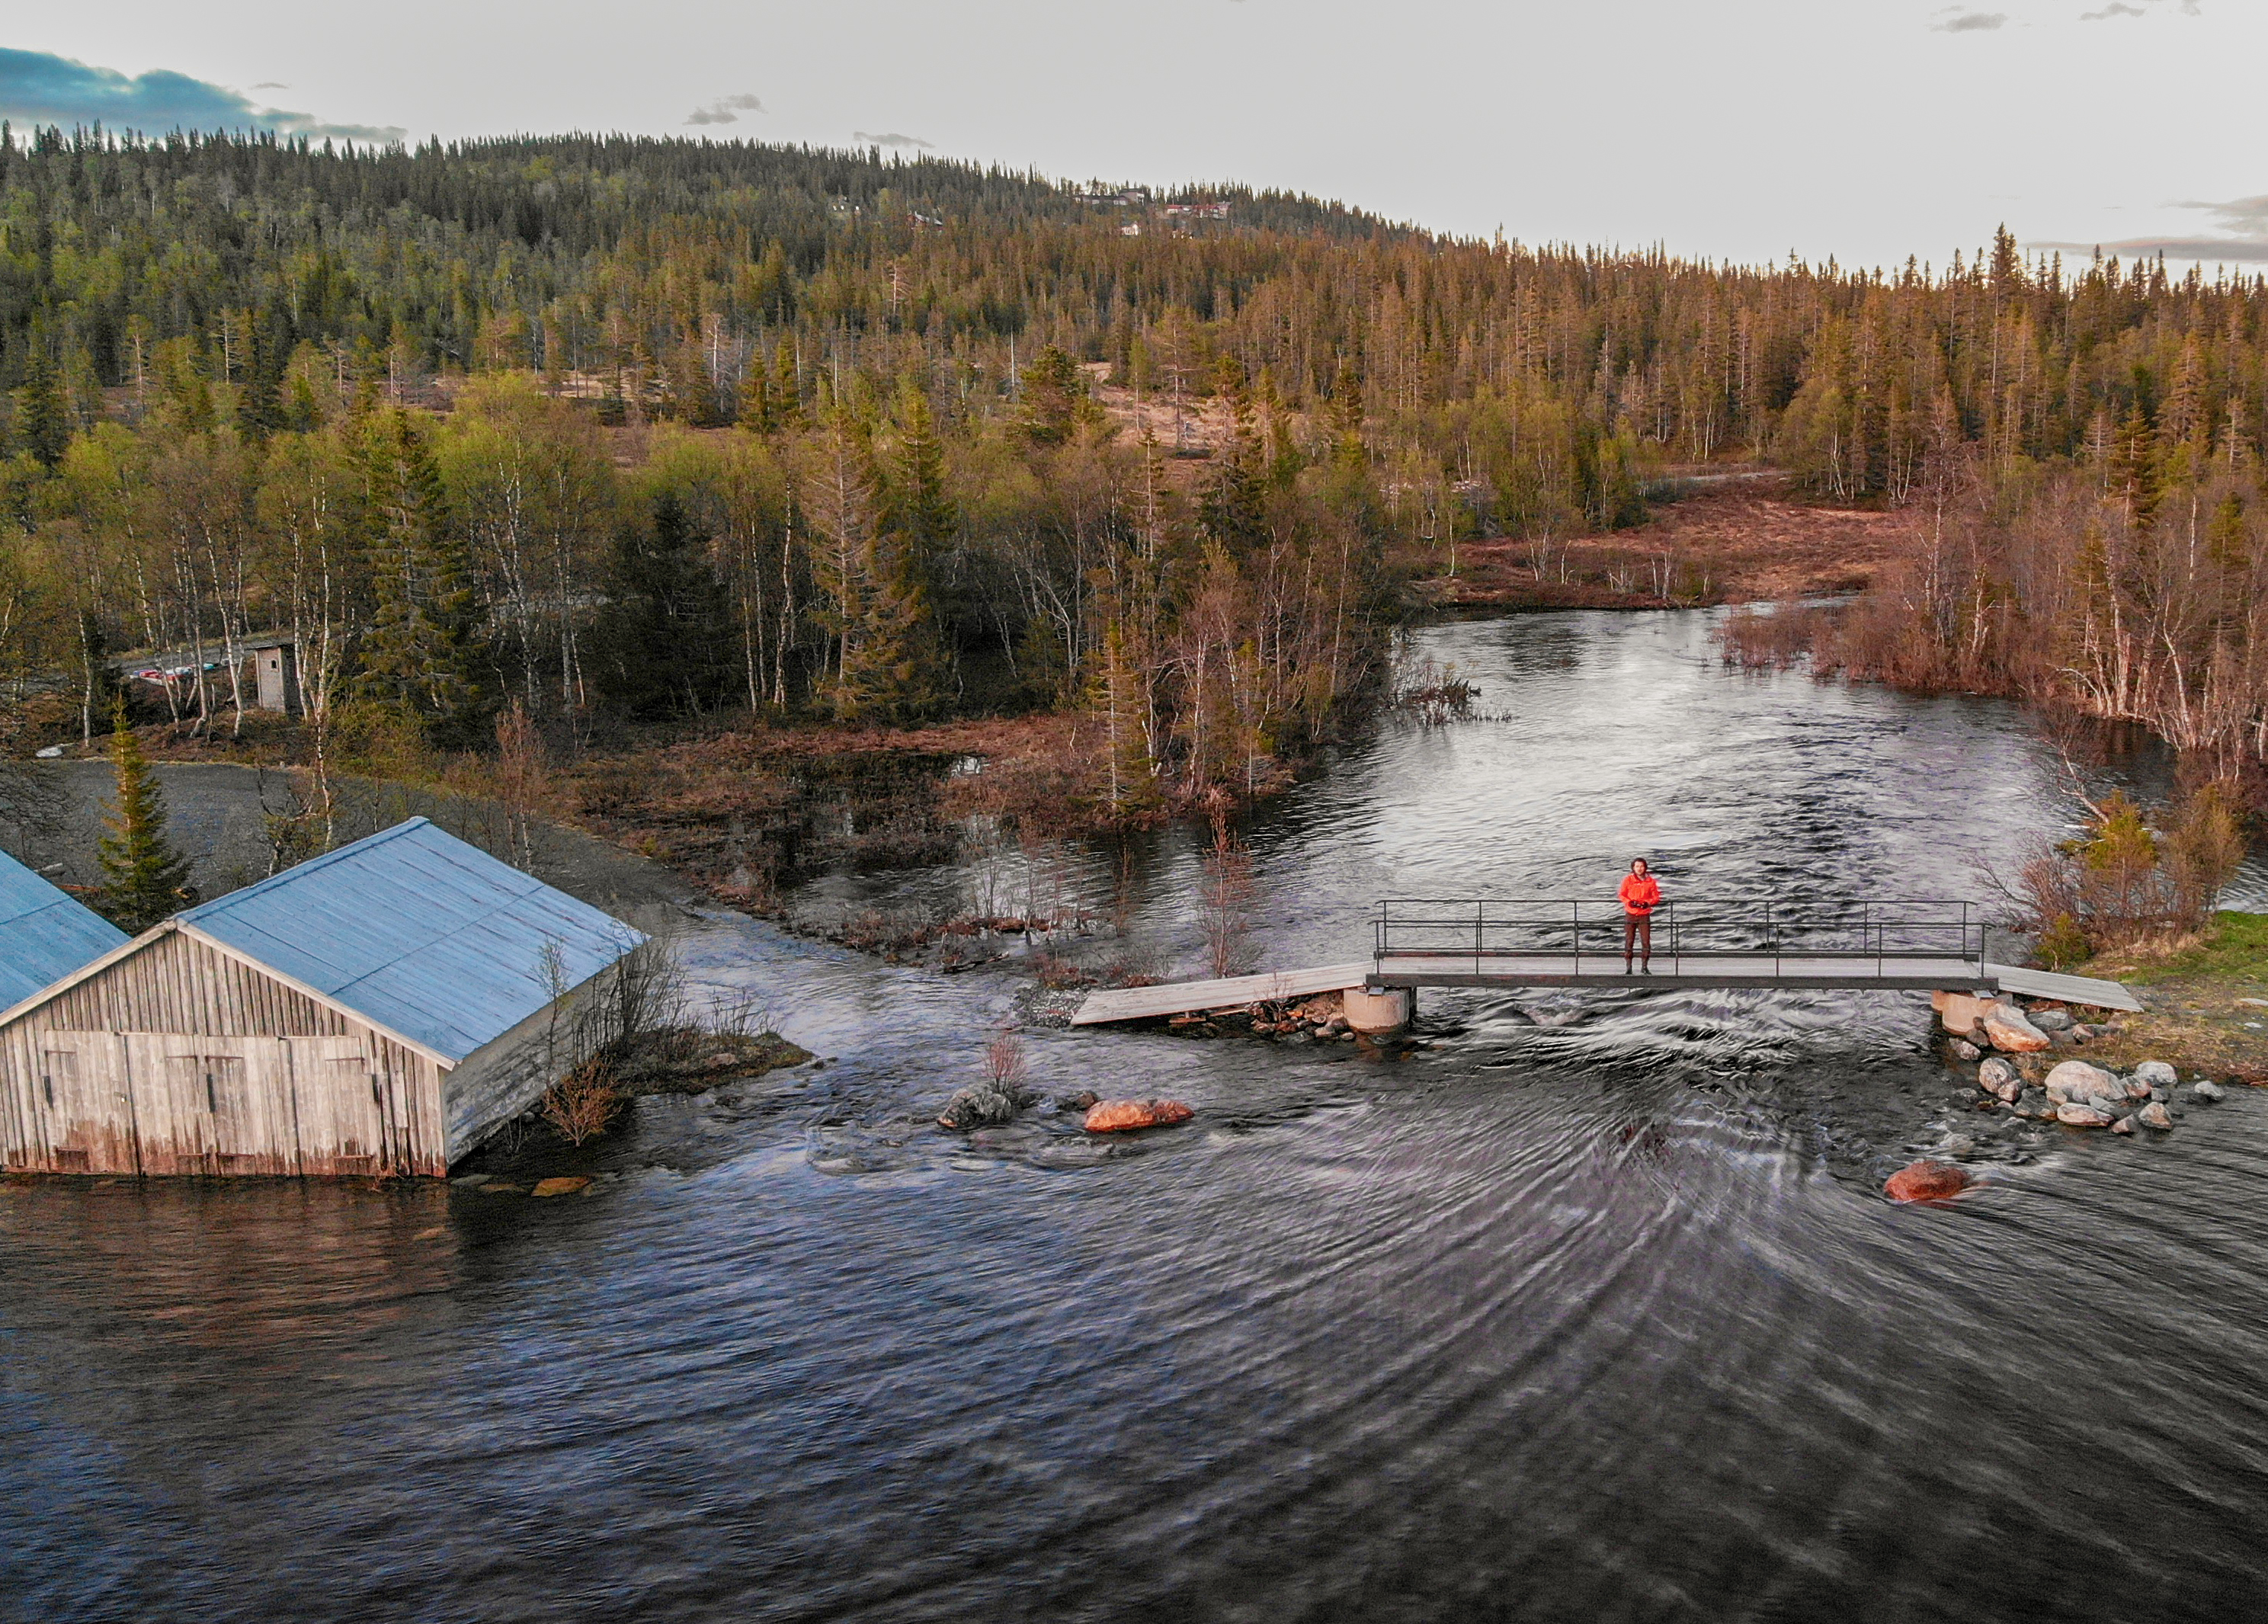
column 42, row 420
column 661, row 645
column 143, row 878
column 416, row 659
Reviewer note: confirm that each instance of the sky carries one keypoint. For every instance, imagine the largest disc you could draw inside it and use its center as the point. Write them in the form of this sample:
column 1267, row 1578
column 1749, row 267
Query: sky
column 1738, row 129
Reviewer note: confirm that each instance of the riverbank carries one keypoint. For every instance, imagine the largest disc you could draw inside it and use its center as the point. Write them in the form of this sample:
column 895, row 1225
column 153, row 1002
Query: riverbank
column 1716, row 539
column 2207, row 1001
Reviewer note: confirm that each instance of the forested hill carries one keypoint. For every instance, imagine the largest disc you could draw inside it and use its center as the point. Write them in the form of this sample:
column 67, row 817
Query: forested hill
column 872, row 457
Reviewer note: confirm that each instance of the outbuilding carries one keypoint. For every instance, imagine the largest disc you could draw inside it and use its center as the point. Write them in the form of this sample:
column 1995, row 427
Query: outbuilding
column 382, row 1009
column 45, row 934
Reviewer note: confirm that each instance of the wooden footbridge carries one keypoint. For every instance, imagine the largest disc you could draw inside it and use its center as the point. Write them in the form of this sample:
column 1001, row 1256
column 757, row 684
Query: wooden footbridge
column 1887, row 946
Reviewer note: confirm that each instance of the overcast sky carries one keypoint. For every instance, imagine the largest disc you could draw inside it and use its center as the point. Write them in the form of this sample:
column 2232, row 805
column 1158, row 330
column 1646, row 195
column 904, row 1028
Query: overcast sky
column 1741, row 130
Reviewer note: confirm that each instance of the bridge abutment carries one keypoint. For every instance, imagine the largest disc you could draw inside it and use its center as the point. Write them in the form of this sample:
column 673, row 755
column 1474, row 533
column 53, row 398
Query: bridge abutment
column 1377, row 1011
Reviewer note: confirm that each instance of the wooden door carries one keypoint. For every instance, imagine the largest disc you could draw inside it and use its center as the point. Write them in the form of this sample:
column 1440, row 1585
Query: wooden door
column 82, row 1098
column 248, row 1090
column 339, row 1096
column 214, row 1105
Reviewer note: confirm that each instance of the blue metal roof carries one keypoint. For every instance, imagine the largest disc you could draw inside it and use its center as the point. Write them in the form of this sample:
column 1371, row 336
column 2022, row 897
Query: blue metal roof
column 420, row 932
column 44, row 934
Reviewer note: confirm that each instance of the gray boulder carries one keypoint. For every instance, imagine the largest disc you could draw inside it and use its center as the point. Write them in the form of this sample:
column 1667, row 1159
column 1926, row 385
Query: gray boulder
column 2052, row 1020
column 2156, row 1115
column 2208, row 1092
column 1965, row 1050
column 2155, row 1074
column 1994, row 1073
column 2074, row 1082
column 982, row 1103
column 2076, row 1115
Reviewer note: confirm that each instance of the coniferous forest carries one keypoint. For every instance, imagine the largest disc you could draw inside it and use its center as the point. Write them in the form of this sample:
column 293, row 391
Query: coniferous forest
column 617, row 432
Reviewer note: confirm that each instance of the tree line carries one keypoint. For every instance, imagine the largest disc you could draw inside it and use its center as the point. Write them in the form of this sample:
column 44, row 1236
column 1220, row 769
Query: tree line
column 654, row 427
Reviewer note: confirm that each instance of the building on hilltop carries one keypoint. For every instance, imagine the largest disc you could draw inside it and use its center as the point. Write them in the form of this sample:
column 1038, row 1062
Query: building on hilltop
column 382, row 1009
column 44, row 934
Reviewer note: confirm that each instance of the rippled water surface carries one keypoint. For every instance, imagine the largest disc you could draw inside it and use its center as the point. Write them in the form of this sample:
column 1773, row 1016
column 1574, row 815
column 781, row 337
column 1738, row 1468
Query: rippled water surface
column 1591, row 1312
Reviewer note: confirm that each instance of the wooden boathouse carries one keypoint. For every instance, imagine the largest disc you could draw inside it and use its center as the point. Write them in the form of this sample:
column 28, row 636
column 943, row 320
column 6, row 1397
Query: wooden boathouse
column 45, row 934
column 381, row 1009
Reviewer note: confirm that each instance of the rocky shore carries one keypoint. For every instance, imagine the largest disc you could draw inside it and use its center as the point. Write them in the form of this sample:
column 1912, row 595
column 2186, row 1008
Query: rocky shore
column 2017, row 1046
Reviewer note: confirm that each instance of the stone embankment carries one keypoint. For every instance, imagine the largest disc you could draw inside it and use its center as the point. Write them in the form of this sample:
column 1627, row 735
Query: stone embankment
column 2015, row 1047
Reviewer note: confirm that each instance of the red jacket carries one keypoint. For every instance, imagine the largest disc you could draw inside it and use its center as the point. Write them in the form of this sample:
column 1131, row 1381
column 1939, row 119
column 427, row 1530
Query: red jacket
column 1641, row 894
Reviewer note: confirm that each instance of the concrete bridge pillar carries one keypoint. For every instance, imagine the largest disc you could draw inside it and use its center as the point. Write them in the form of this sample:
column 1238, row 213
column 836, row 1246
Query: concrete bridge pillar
column 1377, row 1011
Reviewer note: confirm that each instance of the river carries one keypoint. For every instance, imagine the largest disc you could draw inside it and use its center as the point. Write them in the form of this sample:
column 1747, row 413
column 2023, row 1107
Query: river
column 1591, row 1311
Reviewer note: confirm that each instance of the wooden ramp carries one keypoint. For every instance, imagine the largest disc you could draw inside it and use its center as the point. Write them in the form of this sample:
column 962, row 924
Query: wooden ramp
column 1807, row 972
column 2083, row 990
column 1134, row 1003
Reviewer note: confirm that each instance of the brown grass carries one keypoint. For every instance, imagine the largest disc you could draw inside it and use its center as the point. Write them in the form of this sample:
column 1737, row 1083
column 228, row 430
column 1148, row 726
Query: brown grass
column 581, row 1104
column 1740, row 541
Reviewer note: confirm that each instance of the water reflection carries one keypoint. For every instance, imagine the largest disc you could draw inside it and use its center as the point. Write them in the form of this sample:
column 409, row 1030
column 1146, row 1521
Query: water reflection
column 1589, row 1312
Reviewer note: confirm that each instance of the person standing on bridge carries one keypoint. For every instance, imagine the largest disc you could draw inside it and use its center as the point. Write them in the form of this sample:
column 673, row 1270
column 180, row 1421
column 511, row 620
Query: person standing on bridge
column 1640, row 894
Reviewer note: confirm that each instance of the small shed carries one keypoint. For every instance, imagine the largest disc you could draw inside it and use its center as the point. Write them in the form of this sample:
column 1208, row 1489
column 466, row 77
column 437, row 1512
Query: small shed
column 382, row 1009
column 44, row 934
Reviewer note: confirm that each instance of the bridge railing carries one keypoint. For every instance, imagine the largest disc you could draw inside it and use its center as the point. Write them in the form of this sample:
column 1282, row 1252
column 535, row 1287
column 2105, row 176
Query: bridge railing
column 1704, row 932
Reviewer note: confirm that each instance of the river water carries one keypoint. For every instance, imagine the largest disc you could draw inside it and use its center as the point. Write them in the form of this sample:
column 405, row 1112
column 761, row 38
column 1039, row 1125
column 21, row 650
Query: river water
column 1591, row 1311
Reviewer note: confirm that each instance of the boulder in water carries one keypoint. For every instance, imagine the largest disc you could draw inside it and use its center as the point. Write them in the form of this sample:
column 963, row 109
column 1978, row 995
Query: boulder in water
column 1965, row 1050
column 1927, row 1181
column 2075, row 1114
column 2124, row 1125
column 1120, row 1116
column 2156, row 1115
column 2076, row 1082
column 2208, row 1092
column 560, row 1187
column 2011, row 1033
column 1995, row 1073
column 2155, row 1074
column 981, row 1104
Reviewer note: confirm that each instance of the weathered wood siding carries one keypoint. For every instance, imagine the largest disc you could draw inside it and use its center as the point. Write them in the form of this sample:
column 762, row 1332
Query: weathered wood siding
column 506, row 1075
column 180, row 1059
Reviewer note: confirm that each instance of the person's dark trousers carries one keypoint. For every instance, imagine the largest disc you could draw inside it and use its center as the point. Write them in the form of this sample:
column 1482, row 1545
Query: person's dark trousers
column 1638, row 927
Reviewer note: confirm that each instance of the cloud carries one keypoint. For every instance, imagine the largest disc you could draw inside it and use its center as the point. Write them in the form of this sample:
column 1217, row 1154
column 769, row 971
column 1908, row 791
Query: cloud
column 891, row 140
column 725, row 110
column 2243, row 223
column 271, row 84
column 2120, row 8
column 37, row 88
column 1971, row 22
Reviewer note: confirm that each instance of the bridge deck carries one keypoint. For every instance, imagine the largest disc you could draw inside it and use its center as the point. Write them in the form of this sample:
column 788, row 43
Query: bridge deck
column 1814, row 973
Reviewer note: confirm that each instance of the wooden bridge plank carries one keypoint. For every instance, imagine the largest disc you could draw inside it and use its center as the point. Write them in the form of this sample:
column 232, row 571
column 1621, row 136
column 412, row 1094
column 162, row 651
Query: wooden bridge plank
column 1855, row 972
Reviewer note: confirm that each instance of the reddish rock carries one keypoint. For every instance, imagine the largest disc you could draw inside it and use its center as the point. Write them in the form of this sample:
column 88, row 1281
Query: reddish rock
column 1927, row 1181
column 559, row 1186
column 2077, row 1115
column 1119, row 1116
column 2011, row 1033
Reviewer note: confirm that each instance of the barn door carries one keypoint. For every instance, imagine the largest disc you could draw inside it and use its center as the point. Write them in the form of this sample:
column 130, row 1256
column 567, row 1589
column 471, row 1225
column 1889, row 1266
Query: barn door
column 82, row 1097
column 340, row 1103
column 214, row 1105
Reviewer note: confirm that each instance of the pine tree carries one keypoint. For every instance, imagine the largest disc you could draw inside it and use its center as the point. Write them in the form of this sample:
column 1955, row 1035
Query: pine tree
column 143, row 878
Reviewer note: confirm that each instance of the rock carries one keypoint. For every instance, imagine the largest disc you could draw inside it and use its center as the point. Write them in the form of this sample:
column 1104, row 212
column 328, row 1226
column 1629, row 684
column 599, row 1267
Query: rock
column 2155, row 1074
column 559, row 1186
column 2076, row 1082
column 1119, row 1116
column 1994, row 1073
column 2136, row 1088
column 978, row 1104
column 2011, row 1033
column 1960, row 1013
column 2034, row 1105
column 2008, row 1092
column 2156, row 1115
column 2124, row 1125
column 1079, row 1101
column 1927, row 1181
column 2052, row 1020
column 2207, row 1094
column 470, row 1181
column 2076, row 1115
column 1962, row 1049
column 2161, row 1093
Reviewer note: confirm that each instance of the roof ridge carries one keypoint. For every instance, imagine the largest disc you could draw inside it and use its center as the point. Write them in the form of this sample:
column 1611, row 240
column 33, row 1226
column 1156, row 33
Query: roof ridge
column 205, row 909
